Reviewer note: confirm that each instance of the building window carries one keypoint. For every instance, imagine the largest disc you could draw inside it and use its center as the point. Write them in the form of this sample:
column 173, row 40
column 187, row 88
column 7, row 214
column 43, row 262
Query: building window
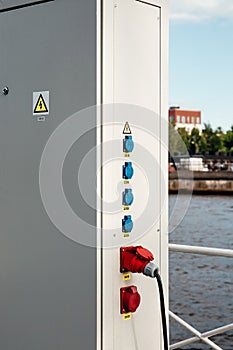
column 198, row 120
column 171, row 118
column 188, row 119
column 178, row 119
column 183, row 120
column 193, row 120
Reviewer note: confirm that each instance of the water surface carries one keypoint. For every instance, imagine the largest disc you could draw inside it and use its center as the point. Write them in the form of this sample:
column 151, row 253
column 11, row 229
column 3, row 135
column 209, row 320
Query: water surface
column 201, row 287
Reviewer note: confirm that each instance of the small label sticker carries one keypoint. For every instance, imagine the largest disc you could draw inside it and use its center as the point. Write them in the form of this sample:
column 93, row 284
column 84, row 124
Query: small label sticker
column 41, row 118
column 126, row 276
column 126, row 234
column 126, row 317
column 126, row 182
column 40, row 103
column 126, row 208
column 127, row 155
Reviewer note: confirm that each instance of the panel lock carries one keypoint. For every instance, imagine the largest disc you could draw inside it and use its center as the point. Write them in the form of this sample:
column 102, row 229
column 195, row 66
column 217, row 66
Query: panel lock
column 5, row 91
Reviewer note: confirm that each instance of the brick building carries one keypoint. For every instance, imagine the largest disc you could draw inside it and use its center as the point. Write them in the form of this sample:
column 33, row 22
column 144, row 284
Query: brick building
column 185, row 119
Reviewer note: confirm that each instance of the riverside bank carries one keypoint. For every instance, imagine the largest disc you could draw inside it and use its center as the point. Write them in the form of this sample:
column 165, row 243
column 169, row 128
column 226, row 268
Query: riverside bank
column 198, row 182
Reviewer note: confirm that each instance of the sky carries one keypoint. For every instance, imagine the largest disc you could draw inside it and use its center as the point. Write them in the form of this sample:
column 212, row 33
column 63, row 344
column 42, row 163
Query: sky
column 201, row 59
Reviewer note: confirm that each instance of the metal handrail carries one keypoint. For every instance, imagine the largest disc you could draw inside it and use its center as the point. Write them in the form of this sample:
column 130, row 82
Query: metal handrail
column 227, row 253
column 204, row 337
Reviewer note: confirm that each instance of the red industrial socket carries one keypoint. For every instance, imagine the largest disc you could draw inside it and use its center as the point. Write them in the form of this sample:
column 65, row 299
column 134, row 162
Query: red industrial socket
column 130, row 299
column 137, row 260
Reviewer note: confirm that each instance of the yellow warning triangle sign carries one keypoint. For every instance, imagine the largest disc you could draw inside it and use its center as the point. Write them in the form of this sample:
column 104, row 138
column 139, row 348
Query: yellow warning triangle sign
column 41, row 105
column 127, row 129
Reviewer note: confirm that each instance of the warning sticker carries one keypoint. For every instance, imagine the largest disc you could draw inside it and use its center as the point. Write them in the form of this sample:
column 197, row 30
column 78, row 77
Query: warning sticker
column 126, row 130
column 41, row 103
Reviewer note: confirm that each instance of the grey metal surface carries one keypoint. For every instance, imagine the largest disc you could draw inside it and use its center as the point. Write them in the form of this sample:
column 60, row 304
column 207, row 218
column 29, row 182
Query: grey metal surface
column 12, row 4
column 47, row 301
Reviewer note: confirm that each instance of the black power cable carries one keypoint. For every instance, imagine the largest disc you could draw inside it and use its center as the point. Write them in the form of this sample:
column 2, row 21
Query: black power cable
column 163, row 312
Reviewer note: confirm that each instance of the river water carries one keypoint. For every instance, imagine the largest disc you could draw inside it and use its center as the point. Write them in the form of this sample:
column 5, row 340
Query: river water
column 201, row 287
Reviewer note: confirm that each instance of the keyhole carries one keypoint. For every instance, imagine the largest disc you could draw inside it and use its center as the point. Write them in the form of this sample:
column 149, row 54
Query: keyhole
column 5, row 90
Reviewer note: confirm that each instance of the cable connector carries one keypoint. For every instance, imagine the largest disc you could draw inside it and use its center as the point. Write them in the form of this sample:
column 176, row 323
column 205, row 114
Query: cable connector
column 151, row 270
column 137, row 260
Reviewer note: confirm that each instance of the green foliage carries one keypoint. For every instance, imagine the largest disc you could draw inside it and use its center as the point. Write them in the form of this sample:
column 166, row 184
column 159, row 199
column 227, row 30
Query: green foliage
column 228, row 140
column 209, row 140
column 178, row 144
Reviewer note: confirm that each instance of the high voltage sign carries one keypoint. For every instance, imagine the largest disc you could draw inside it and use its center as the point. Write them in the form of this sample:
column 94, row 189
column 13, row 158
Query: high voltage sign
column 40, row 106
column 41, row 103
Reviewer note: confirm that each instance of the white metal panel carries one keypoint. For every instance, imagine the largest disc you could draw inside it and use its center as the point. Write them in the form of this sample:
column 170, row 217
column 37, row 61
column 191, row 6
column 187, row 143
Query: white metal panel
column 137, row 54
column 98, row 161
column 132, row 75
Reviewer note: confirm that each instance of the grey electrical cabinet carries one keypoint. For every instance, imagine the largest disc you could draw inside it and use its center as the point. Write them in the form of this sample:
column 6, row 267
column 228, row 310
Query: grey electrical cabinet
column 47, row 298
column 60, row 58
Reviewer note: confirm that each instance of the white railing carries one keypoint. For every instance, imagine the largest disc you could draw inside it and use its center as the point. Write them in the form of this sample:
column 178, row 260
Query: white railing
column 203, row 337
column 227, row 253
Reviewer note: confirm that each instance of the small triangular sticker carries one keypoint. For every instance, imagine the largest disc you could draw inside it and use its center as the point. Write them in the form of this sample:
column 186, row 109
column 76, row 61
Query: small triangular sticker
column 127, row 129
column 41, row 105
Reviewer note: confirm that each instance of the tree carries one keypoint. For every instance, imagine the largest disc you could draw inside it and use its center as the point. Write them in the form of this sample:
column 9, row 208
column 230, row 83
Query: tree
column 183, row 141
column 178, row 140
column 212, row 139
column 228, row 140
column 197, row 140
column 209, row 140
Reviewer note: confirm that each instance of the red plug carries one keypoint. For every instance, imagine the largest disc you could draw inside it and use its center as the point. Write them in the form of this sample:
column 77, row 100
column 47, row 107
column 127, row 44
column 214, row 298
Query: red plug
column 137, row 260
